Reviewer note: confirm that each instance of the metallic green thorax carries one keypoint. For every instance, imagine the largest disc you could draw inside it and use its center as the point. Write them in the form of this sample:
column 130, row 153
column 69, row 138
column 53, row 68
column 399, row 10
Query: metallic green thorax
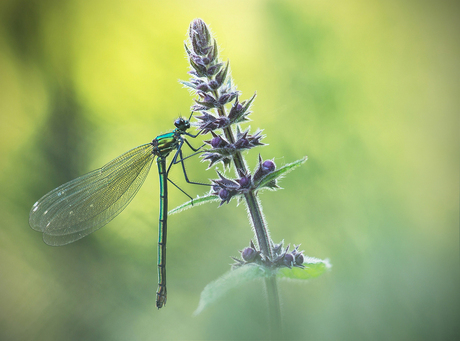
column 166, row 143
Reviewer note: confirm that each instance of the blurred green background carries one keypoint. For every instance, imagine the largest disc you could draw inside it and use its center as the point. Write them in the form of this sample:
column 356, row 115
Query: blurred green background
column 369, row 90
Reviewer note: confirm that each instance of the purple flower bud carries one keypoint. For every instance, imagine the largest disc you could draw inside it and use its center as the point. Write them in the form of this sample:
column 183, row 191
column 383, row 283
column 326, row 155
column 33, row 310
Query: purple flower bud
column 217, row 142
column 208, row 101
column 202, row 87
column 242, row 143
column 268, row 166
column 213, row 84
column 222, row 122
column 198, row 61
column 249, row 254
column 212, row 70
column 224, row 194
column 288, row 259
column 208, row 98
column 206, row 60
column 224, row 98
column 244, row 182
column 299, row 259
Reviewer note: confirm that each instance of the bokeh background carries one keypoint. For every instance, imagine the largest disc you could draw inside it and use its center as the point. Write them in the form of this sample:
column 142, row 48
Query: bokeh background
column 369, row 90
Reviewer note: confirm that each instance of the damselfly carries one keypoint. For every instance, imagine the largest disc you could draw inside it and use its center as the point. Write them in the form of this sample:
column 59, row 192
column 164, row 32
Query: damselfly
column 85, row 204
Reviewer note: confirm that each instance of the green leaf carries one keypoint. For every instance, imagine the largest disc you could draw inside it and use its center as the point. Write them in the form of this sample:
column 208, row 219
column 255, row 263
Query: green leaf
column 267, row 182
column 314, row 267
column 279, row 173
column 232, row 279
column 196, row 202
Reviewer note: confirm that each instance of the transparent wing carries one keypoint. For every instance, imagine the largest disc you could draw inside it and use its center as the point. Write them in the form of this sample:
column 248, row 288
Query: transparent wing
column 82, row 206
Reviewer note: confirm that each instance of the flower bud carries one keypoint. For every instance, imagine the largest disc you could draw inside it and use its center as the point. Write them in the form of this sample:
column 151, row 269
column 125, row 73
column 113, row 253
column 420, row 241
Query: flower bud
column 224, row 194
column 249, row 254
column 244, row 182
column 299, row 259
column 217, row 142
column 213, row 84
column 202, row 87
column 242, row 143
column 268, row 166
column 288, row 259
column 212, row 70
column 224, row 98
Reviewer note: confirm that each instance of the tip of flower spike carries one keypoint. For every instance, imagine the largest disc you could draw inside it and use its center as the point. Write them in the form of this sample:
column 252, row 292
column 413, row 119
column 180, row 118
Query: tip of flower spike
column 199, row 36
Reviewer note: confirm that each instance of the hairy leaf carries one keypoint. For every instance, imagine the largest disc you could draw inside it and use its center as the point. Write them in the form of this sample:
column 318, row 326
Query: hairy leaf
column 279, row 173
column 313, row 267
column 221, row 286
column 196, row 202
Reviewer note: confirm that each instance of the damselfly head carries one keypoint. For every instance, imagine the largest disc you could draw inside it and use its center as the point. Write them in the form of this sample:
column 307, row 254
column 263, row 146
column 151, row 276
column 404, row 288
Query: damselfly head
column 182, row 124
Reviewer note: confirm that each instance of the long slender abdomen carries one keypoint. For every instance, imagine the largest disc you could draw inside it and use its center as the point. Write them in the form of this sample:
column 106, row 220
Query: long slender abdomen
column 162, row 233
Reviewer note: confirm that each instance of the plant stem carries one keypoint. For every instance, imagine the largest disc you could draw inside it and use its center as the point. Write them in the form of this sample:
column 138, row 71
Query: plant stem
column 203, row 57
column 261, row 232
column 258, row 223
column 274, row 310
column 251, row 201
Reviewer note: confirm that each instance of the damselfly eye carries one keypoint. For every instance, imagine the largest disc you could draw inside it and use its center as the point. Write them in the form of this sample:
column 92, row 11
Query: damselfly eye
column 182, row 124
column 179, row 122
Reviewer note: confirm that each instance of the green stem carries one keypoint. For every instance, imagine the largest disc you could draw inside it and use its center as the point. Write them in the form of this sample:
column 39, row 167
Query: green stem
column 258, row 223
column 261, row 231
column 274, row 310
column 252, row 203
